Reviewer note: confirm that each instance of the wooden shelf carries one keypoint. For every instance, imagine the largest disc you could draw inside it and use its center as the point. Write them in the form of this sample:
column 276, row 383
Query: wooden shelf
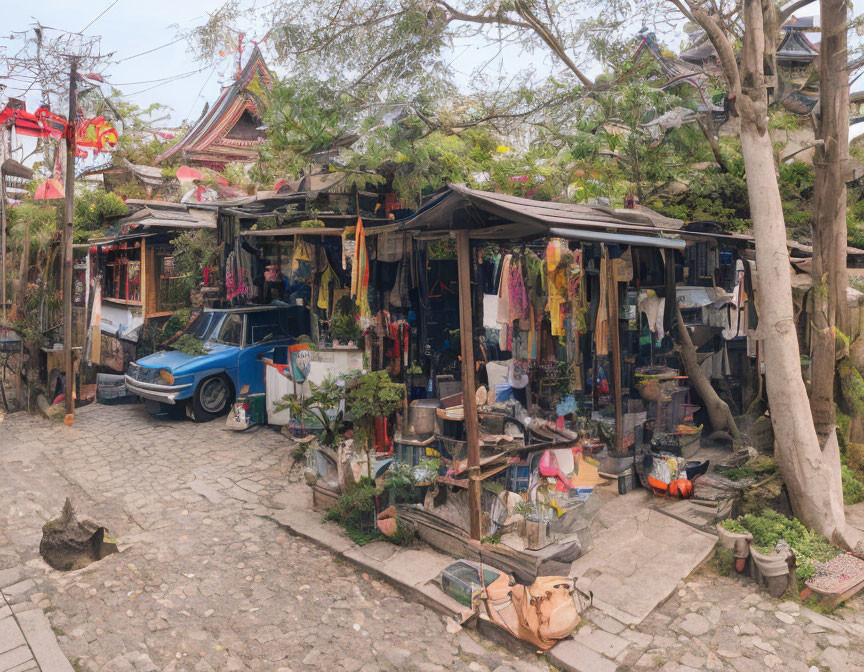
column 125, row 302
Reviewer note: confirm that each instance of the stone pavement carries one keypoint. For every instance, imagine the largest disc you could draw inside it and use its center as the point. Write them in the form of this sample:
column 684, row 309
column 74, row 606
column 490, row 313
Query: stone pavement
column 27, row 641
column 210, row 582
column 205, row 584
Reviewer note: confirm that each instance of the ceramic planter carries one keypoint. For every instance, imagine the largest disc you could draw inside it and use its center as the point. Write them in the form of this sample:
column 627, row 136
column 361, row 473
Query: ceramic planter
column 770, row 564
column 728, row 539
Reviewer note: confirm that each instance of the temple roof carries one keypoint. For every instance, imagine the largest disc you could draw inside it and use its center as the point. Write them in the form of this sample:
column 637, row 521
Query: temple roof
column 796, row 47
column 228, row 131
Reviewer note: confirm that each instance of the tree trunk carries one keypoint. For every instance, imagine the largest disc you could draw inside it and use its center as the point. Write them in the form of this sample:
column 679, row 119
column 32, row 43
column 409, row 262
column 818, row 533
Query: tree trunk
column 717, row 409
column 811, row 473
column 830, row 278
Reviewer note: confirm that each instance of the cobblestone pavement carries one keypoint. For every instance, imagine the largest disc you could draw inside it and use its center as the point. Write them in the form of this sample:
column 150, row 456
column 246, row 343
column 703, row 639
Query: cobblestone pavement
column 206, row 584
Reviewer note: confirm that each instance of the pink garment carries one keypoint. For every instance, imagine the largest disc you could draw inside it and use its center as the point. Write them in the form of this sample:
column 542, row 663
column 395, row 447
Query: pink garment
column 504, row 291
column 518, row 295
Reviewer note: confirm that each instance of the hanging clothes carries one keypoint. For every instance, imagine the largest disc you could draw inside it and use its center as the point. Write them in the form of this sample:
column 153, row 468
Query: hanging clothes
column 601, row 328
column 518, row 294
column 535, row 280
column 326, row 284
column 653, row 306
column 558, row 261
column 360, row 271
column 503, row 317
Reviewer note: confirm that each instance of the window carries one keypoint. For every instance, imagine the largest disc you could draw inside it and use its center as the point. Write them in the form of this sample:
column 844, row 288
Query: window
column 231, row 330
column 121, row 276
column 262, row 326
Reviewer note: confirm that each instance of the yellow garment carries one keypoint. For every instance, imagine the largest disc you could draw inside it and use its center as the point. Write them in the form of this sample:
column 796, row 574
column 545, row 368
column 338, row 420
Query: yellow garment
column 327, row 279
column 556, row 284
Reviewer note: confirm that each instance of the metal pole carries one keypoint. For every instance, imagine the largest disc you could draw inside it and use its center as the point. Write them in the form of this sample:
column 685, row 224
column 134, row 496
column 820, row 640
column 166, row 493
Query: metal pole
column 469, row 399
column 67, row 241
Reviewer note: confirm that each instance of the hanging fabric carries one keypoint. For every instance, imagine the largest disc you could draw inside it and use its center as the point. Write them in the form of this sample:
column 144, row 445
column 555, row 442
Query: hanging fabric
column 518, row 294
column 601, row 329
column 360, row 271
column 327, row 282
column 653, row 306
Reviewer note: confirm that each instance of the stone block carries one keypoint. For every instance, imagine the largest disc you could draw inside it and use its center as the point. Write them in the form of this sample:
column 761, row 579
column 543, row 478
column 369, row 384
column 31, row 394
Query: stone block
column 572, row 656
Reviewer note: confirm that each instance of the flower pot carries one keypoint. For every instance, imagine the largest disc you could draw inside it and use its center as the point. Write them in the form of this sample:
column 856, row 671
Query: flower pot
column 728, row 539
column 770, row 564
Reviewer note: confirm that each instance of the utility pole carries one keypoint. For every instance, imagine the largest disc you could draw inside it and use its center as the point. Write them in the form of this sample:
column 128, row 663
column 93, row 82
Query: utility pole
column 69, row 214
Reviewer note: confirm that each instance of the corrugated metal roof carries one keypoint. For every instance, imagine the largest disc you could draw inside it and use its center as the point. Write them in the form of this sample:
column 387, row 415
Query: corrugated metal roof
column 491, row 215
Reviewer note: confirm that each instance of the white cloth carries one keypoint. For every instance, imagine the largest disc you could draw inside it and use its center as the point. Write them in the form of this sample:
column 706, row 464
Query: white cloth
column 653, row 306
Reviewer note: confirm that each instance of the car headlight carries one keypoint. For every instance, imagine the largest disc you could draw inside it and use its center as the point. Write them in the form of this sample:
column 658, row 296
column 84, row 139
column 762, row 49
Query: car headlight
column 166, row 376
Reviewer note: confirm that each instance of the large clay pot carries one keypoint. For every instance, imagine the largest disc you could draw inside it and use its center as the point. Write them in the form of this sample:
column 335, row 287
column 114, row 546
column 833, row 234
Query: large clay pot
column 728, row 539
column 774, row 569
column 770, row 564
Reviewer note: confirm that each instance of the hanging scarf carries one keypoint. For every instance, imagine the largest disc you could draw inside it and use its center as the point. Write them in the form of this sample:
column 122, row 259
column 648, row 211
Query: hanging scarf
column 360, row 271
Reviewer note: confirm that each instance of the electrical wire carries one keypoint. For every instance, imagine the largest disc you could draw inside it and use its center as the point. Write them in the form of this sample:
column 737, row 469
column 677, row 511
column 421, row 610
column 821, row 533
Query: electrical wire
column 150, row 51
column 168, row 81
column 100, row 15
column 195, row 100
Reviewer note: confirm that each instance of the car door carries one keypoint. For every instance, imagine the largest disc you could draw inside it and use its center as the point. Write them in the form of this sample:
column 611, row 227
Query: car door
column 230, row 334
column 260, row 335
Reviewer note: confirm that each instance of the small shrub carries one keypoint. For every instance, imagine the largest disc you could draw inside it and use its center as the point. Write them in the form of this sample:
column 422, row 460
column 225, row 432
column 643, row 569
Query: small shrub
column 853, row 488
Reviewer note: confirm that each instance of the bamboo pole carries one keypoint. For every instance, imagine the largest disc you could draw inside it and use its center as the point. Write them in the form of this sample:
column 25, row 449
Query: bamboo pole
column 469, row 399
column 67, row 242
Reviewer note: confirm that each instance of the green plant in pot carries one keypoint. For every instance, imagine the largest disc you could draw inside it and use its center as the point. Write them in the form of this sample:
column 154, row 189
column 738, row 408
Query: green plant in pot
column 372, row 395
column 344, row 327
column 323, row 406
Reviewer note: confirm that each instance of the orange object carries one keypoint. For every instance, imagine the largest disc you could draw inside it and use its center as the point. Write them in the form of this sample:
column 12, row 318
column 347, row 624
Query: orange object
column 48, row 190
column 69, row 419
column 187, row 174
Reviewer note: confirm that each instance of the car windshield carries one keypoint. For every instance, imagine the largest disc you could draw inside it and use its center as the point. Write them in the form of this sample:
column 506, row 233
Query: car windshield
column 204, row 326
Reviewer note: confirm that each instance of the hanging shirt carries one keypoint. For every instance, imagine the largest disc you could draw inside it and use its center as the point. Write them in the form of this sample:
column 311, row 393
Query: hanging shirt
column 328, row 277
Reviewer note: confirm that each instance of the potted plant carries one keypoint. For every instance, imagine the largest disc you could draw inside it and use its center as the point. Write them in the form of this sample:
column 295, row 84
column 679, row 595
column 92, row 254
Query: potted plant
column 730, row 531
column 344, row 328
column 372, row 395
column 323, row 406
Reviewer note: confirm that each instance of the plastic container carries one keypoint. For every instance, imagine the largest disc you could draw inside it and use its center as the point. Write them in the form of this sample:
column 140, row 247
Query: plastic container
column 462, row 581
column 503, row 392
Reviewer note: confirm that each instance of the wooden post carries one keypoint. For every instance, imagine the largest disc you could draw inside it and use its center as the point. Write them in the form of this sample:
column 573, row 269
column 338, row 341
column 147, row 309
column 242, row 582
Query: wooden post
column 67, row 242
column 612, row 302
column 469, row 399
column 3, row 157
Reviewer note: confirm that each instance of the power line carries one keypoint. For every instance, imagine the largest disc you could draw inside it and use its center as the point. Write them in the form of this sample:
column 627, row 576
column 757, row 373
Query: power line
column 161, row 79
column 150, row 51
column 100, row 15
column 168, row 81
column 195, row 100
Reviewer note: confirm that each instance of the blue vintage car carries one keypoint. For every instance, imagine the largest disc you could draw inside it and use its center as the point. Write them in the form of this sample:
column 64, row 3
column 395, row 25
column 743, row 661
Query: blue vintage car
column 236, row 339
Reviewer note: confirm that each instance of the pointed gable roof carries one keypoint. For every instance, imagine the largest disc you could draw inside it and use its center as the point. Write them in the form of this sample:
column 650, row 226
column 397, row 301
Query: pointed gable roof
column 796, row 47
column 227, row 131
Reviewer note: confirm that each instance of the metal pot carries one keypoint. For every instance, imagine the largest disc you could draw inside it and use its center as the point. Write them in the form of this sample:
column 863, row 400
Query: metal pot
column 421, row 417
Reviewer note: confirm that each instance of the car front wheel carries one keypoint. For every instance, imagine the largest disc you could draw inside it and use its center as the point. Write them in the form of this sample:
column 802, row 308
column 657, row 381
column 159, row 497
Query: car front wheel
column 212, row 398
